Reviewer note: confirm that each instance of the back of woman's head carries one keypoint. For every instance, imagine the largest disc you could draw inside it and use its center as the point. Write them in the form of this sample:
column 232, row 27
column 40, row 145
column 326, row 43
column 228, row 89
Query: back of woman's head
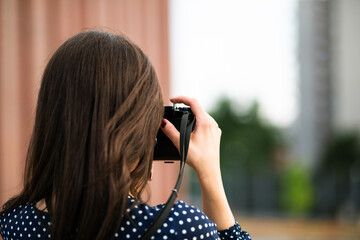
column 98, row 112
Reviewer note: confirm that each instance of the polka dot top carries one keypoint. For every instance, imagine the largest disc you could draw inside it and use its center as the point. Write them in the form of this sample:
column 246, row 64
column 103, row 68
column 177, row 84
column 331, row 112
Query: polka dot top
column 184, row 222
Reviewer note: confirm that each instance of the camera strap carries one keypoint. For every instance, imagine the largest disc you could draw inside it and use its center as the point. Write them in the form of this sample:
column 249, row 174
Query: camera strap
column 185, row 132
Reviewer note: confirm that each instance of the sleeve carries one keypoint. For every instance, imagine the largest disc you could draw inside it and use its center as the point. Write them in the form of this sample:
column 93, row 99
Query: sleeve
column 234, row 232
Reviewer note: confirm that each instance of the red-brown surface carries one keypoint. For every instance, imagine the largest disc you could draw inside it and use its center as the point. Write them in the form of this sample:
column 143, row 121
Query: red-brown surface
column 31, row 31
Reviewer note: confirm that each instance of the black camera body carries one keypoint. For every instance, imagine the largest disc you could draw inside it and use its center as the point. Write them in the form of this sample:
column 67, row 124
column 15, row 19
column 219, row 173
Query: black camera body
column 164, row 148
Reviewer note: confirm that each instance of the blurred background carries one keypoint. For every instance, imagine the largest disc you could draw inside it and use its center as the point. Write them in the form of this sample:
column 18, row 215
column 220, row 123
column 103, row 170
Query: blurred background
column 281, row 77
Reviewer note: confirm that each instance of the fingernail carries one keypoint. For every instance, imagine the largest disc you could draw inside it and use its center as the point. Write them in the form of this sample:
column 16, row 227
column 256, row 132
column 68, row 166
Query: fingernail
column 163, row 123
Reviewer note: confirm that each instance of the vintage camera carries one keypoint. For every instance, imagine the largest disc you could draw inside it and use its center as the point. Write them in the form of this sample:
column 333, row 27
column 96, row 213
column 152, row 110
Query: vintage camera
column 164, row 148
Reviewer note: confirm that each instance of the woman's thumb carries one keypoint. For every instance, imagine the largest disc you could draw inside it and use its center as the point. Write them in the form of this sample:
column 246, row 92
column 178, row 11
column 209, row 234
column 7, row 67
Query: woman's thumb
column 171, row 132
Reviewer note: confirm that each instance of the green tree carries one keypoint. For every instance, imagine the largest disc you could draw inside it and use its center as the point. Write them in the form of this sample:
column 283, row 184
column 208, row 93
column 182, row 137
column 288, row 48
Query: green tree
column 248, row 142
column 341, row 155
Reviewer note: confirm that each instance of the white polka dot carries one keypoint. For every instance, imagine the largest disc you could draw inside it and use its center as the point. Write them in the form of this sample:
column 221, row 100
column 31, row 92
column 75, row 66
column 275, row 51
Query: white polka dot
column 181, row 222
column 183, row 231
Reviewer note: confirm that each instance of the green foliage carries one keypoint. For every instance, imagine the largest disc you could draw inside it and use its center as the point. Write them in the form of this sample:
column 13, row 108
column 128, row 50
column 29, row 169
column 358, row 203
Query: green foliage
column 341, row 154
column 297, row 190
column 248, row 142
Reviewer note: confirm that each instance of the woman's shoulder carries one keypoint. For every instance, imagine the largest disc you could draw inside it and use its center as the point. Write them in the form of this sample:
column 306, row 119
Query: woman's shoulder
column 25, row 212
column 25, row 221
column 184, row 222
column 187, row 221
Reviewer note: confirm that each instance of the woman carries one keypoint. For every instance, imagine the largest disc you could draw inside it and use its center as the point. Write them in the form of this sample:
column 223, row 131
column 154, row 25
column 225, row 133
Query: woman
column 98, row 112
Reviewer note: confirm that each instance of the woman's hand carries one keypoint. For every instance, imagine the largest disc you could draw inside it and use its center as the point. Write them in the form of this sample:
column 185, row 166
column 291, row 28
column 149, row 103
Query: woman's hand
column 204, row 157
column 204, row 148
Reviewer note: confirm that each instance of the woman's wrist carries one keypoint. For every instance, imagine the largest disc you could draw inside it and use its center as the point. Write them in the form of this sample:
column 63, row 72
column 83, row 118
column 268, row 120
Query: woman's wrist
column 209, row 177
column 211, row 183
column 207, row 169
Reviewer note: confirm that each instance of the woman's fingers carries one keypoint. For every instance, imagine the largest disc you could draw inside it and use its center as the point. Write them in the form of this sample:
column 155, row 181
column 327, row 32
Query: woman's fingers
column 205, row 139
column 193, row 103
column 171, row 132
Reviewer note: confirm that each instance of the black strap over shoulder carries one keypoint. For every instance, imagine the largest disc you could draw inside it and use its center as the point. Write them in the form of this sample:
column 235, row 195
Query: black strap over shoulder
column 185, row 132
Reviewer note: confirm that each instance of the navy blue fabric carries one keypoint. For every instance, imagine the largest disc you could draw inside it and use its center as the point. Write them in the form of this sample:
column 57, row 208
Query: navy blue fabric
column 184, row 222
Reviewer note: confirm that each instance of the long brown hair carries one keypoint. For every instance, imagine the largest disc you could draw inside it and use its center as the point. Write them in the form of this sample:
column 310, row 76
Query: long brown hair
column 98, row 112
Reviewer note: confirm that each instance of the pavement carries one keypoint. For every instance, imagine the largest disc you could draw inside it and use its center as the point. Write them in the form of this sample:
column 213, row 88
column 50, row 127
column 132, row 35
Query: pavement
column 299, row 229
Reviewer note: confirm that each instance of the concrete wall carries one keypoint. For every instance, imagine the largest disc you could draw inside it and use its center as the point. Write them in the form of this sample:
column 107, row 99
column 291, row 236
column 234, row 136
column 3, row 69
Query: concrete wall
column 346, row 64
column 313, row 125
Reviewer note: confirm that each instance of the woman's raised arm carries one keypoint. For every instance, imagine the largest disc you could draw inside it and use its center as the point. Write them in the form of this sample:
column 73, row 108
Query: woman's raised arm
column 204, row 158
